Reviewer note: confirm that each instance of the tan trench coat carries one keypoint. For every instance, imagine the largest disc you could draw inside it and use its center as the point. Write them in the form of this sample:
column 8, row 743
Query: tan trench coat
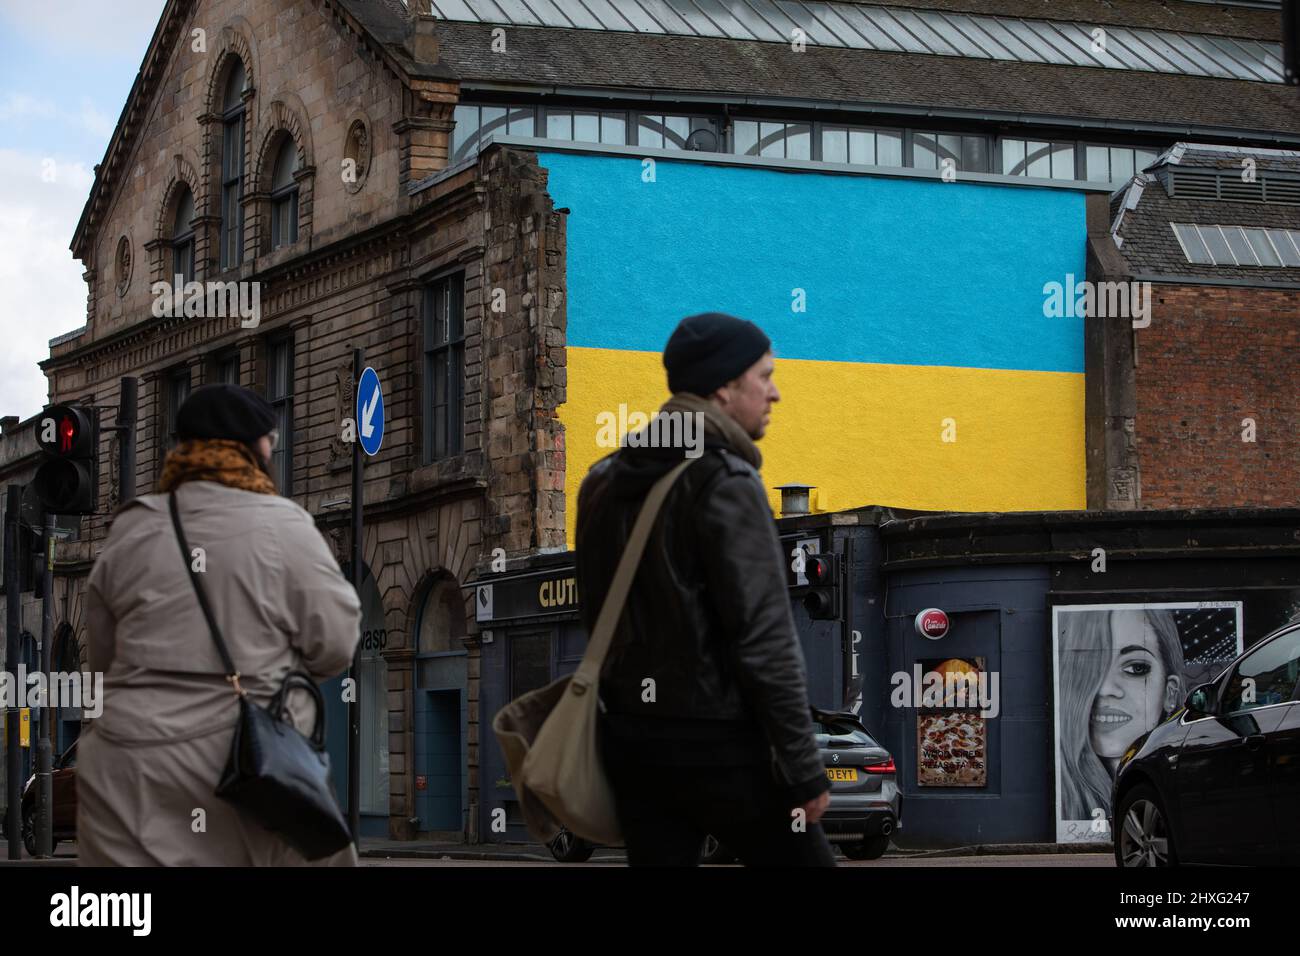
column 147, row 767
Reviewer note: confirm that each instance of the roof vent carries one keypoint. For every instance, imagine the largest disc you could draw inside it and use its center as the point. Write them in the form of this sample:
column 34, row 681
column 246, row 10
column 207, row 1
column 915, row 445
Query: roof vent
column 794, row 499
column 1282, row 190
column 1229, row 187
column 1234, row 189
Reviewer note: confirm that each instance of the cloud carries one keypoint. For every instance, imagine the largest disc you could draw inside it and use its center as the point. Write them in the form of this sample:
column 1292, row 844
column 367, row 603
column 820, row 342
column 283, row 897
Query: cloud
column 80, row 27
column 36, row 113
column 45, row 295
column 96, row 122
column 21, row 106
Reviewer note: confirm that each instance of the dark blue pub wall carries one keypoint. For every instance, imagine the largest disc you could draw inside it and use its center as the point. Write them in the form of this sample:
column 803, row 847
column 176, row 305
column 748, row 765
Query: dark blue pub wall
column 997, row 576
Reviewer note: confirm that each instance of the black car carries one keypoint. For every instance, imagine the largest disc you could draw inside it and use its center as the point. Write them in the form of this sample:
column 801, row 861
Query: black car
column 1219, row 781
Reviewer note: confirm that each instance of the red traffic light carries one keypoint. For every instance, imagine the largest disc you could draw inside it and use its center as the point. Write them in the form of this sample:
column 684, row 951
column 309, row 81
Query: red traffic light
column 823, row 598
column 65, row 431
column 819, row 570
column 66, row 482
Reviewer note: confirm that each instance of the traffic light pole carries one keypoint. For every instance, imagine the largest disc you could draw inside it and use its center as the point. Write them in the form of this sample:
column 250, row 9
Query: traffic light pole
column 126, row 414
column 846, row 621
column 354, row 709
column 13, row 622
column 44, row 747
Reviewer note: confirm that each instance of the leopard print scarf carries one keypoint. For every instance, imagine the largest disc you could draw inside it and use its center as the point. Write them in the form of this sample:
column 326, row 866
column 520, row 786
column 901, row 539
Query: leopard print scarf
column 230, row 463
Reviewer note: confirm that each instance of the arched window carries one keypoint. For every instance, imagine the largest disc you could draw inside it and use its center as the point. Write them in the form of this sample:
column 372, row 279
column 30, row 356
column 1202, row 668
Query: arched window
column 442, row 619
column 284, row 196
column 232, row 169
column 183, row 236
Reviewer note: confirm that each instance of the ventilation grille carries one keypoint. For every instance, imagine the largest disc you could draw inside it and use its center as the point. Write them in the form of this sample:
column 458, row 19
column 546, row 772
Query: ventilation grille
column 1231, row 187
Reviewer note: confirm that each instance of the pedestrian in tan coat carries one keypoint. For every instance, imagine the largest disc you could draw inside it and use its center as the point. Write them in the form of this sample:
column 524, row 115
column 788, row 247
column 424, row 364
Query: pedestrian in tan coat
column 148, row 767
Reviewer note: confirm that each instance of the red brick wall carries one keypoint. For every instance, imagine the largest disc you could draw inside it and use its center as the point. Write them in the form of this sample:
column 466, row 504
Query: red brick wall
column 1211, row 358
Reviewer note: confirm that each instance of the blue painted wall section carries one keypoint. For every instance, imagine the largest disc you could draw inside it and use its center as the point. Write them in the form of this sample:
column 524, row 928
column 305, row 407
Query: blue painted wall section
column 899, row 271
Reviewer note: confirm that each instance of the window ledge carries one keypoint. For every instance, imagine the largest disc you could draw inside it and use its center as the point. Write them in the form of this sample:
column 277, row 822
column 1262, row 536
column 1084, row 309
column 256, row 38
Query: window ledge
column 459, row 472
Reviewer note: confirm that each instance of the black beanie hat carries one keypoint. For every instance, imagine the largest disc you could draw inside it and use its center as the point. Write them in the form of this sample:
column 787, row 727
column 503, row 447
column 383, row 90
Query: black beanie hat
column 708, row 350
column 224, row 411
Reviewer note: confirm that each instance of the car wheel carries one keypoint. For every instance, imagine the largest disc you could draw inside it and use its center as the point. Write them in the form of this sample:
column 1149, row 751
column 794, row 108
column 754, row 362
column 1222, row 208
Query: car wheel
column 714, row 852
column 29, row 830
column 1144, row 838
column 568, row 848
column 872, row 848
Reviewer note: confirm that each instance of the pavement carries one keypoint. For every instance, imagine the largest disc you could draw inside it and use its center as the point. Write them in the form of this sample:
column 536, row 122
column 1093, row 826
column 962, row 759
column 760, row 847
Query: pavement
column 536, row 853
column 377, row 849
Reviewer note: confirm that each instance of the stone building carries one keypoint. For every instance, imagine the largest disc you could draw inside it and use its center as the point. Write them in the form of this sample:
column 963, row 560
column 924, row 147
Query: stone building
column 288, row 147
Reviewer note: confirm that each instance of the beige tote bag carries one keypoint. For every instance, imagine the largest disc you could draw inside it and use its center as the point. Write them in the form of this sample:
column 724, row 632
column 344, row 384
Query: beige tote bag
column 549, row 735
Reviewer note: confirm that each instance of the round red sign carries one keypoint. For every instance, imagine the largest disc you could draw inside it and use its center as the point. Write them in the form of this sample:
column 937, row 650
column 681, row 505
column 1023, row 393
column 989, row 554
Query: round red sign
column 932, row 623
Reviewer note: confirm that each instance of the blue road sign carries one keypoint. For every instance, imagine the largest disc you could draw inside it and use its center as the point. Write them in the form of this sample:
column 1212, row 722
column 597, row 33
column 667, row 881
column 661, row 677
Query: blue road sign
column 370, row 412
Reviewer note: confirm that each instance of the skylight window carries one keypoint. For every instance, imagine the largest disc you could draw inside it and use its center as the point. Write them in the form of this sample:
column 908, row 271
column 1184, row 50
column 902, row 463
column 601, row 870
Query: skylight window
column 1238, row 245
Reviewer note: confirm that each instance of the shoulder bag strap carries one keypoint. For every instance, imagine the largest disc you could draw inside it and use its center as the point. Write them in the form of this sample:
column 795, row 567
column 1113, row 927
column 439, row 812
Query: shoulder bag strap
column 588, row 672
column 232, row 674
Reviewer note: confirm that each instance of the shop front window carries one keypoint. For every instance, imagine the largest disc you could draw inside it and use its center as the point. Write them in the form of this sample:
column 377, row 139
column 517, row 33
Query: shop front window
column 372, row 698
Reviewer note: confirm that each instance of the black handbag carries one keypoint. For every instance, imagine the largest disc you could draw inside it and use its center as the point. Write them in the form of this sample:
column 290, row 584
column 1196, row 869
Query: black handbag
column 277, row 776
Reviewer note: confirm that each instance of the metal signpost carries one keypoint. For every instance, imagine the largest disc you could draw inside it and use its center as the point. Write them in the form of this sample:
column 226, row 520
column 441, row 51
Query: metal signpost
column 13, row 608
column 369, row 422
column 44, row 746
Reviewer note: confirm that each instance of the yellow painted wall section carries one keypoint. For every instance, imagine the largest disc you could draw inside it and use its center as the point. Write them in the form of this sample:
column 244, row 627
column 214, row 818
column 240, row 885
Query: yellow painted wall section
column 869, row 434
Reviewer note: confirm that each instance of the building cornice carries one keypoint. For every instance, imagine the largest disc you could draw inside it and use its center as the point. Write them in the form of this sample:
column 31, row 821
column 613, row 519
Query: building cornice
column 293, row 273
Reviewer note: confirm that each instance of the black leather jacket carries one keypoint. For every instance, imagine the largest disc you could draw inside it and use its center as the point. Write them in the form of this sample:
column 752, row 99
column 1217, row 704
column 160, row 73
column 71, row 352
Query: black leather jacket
column 707, row 617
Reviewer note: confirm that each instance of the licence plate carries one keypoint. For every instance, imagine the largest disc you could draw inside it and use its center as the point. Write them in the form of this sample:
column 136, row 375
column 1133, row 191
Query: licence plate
column 849, row 774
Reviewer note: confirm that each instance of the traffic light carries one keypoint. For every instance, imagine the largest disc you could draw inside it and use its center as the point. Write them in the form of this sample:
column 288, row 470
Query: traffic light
column 1291, row 41
column 67, row 481
column 31, row 563
column 31, row 544
column 823, row 598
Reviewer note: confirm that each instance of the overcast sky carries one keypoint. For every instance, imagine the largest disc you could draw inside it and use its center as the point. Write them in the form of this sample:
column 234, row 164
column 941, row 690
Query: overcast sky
column 66, row 67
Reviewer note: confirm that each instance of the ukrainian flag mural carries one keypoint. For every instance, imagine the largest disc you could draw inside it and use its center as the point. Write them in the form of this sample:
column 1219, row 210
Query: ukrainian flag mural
column 915, row 364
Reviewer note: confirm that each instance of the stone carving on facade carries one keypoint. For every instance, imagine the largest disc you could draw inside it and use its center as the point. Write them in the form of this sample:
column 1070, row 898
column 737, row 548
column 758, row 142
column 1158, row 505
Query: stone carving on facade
column 356, row 150
column 335, row 538
column 344, row 402
column 123, row 265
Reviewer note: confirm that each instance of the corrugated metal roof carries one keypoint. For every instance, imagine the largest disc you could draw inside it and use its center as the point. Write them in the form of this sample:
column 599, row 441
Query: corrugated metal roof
column 899, row 84
column 895, row 30
column 1182, row 16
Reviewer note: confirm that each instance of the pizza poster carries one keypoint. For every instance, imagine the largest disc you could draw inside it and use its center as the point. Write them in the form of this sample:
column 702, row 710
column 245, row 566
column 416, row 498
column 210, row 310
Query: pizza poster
column 951, row 741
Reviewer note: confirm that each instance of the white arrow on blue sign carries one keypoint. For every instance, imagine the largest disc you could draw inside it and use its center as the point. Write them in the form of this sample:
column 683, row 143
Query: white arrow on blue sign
column 370, row 412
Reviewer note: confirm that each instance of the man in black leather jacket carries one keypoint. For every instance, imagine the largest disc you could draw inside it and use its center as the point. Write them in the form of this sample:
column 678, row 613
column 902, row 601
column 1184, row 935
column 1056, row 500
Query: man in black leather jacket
column 706, row 726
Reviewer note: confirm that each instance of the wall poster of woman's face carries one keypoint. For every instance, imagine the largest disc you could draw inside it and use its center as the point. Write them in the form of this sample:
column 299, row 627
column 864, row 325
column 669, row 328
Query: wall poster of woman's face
column 1119, row 671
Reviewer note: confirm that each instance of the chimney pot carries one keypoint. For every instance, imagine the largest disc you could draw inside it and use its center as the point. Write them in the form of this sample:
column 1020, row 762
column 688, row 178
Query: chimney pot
column 794, row 499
